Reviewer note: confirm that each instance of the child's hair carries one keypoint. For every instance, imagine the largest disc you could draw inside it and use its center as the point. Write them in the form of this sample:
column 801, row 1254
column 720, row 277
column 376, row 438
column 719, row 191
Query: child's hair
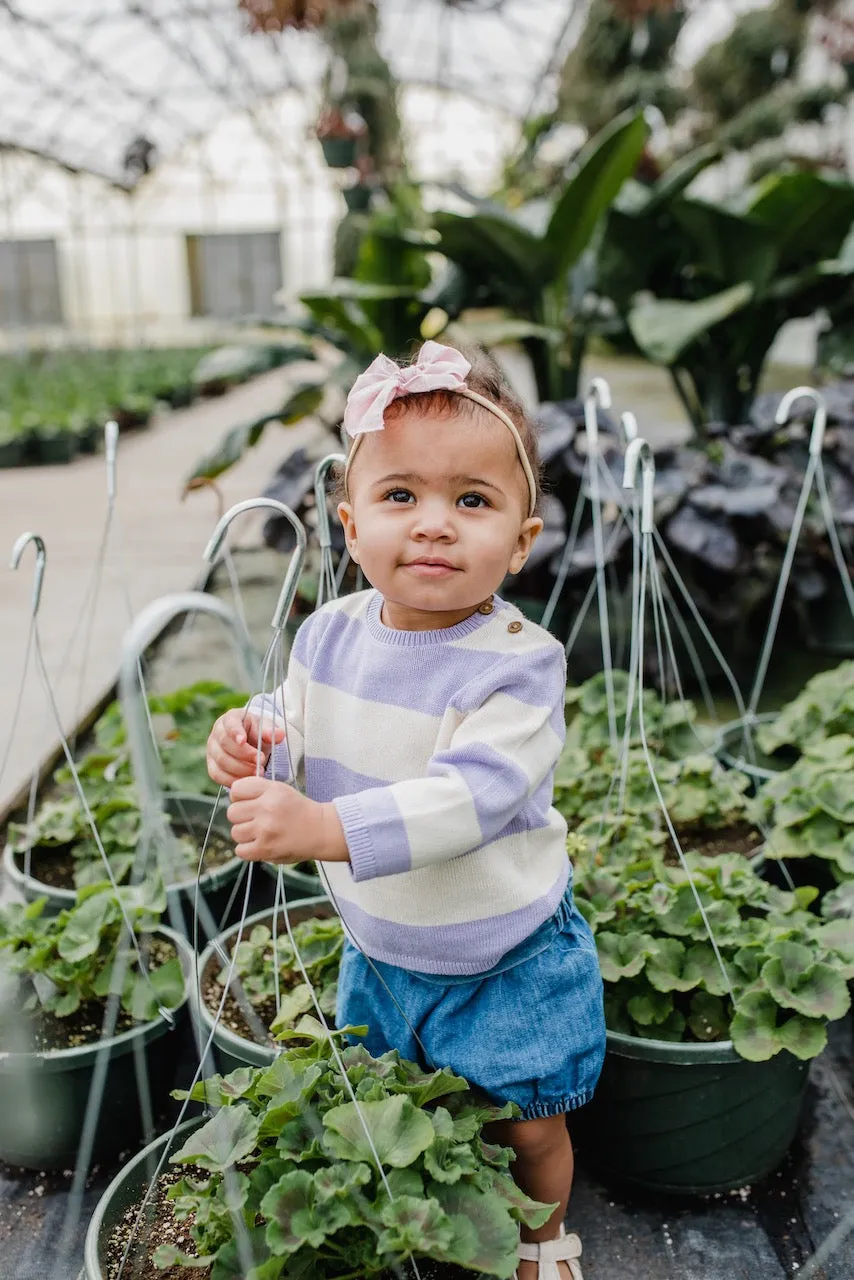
column 488, row 380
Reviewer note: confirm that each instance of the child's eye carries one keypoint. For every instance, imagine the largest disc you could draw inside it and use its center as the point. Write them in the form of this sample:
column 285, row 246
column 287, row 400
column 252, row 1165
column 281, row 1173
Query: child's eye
column 398, row 495
column 473, row 501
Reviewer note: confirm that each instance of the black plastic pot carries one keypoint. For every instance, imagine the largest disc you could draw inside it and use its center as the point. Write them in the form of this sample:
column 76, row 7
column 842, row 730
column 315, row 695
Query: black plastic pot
column 43, row 1095
column 51, row 448
column 339, row 153
column 357, row 198
column 690, row 1119
column 126, row 1190
column 731, row 749
column 12, row 453
column 215, row 886
column 232, row 1050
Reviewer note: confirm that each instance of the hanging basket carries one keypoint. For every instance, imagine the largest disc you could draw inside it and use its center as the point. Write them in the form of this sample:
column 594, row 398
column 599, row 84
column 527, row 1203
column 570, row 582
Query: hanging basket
column 125, row 1192
column 43, row 1094
column 339, row 153
column 691, row 1119
column 233, row 1050
column 215, row 885
column 729, row 748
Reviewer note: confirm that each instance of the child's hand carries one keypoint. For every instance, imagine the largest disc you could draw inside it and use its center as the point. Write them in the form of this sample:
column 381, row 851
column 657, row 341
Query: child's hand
column 271, row 822
column 232, row 750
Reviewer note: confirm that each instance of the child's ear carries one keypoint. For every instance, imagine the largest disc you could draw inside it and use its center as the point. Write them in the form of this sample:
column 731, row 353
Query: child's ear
column 528, row 534
column 345, row 515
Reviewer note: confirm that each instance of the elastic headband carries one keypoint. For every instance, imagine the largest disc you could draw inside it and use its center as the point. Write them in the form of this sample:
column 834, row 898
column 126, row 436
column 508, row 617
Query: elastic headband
column 438, row 368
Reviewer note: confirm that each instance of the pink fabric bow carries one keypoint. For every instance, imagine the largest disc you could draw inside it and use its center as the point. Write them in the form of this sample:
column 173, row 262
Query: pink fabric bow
column 437, row 368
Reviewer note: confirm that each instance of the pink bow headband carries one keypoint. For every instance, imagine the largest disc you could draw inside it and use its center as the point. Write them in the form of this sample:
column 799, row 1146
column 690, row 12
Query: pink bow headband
column 437, row 368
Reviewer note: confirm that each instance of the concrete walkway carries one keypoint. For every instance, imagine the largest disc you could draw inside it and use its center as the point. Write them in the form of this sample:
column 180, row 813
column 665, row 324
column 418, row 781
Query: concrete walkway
column 162, row 539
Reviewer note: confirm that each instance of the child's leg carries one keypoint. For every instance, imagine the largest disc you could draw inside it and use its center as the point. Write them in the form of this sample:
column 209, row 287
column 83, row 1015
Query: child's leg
column 543, row 1168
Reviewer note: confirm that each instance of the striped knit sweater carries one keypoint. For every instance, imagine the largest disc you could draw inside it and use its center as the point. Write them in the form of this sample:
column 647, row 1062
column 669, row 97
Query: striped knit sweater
column 438, row 749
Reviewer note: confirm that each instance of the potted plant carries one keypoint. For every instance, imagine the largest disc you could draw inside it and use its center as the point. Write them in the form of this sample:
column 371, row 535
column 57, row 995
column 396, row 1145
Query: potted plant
column 707, row 804
column 284, row 1175
column 264, row 995
column 707, row 1053
column 809, row 812
column 339, row 136
column 671, row 728
column 775, row 740
column 59, row 973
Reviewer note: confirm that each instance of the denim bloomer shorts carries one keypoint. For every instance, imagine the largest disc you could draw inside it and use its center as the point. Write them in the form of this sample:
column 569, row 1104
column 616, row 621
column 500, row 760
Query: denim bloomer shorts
column 531, row 1030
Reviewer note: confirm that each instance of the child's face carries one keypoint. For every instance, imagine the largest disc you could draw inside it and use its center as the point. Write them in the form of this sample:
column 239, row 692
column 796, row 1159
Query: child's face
column 438, row 511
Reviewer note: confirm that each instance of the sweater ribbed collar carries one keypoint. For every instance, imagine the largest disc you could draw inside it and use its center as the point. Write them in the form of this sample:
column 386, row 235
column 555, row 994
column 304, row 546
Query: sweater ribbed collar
column 419, row 639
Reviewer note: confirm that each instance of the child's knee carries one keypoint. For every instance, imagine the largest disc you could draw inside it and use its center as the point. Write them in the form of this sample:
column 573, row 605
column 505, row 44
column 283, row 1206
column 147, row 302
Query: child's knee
column 537, row 1139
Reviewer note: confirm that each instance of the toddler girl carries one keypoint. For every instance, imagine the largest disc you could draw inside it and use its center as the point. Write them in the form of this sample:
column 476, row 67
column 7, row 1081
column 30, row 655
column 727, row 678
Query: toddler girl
column 425, row 717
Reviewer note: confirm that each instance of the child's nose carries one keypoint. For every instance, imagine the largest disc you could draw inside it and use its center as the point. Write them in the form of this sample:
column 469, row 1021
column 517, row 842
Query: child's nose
column 434, row 520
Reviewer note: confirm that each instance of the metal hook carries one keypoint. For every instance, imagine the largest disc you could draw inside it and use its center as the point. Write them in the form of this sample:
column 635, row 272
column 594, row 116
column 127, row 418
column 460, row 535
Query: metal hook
column 111, row 442
column 324, row 530
column 289, row 587
column 598, row 396
column 639, row 450
column 41, row 560
column 819, row 421
column 145, row 628
column 629, row 423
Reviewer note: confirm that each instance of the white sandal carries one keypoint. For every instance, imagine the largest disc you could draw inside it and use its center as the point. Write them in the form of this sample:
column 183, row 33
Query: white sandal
column 567, row 1248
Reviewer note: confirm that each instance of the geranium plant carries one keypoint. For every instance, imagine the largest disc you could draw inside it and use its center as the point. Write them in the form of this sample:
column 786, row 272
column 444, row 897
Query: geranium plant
column 809, row 809
column 319, row 941
column 285, row 1174
column 779, row 976
column 823, row 708
column 671, row 727
column 63, row 962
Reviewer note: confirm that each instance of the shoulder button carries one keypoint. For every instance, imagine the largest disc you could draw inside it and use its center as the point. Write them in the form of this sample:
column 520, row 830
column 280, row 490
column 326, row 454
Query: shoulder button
column 489, row 607
column 513, row 627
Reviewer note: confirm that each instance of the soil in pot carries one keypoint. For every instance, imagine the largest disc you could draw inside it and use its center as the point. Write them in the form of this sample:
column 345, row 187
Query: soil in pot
column 53, row 865
column 236, row 1005
column 713, row 842
column 85, row 1026
column 160, row 1227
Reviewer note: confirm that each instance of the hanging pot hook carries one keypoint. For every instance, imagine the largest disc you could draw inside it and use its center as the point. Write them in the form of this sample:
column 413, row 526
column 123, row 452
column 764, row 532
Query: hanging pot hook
column 41, row 561
column 111, row 444
column 598, row 396
column 289, row 587
column 324, row 529
column 819, row 421
column 639, row 450
column 629, row 423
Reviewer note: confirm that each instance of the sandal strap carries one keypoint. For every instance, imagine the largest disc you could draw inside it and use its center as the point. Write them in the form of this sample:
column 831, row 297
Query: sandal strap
column 566, row 1248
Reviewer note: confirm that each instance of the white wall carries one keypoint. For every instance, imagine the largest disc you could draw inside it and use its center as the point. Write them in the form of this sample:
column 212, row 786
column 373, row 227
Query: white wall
column 122, row 256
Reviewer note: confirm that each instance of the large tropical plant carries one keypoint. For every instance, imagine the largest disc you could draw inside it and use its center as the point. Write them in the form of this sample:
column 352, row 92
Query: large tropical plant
column 532, row 265
column 716, row 281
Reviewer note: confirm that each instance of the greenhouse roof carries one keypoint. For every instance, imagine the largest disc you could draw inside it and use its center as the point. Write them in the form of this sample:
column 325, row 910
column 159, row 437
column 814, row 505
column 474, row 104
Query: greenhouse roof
column 81, row 79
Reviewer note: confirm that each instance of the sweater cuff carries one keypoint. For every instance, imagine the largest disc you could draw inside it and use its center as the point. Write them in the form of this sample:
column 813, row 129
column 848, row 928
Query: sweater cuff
column 363, row 861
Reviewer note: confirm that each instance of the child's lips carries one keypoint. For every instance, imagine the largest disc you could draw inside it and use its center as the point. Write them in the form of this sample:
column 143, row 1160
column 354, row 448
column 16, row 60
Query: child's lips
column 430, row 567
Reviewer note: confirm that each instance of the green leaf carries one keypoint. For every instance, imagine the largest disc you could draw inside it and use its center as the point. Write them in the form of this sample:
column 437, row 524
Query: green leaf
column 295, row 1217
column 709, row 1017
column 650, row 1008
column 754, row 1026
column 166, row 1255
column 623, row 956
column 293, row 1004
column 522, row 1208
column 803, row 1037
column 341, row 1181
column 398, row 1130
column 229, row 1137
column 486, row 1237
column 416, row 1226
column 491, row 247
column 797, row 981
column 609, row 158
column 664, row 329
column 448, row 1161
column 703, row 968
column 665, row 967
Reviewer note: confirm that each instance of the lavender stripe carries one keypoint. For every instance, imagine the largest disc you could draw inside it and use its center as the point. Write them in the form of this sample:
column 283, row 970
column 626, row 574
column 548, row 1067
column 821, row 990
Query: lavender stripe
column 435, row 676
column 468, row 948
column 327, row 779
column 498, row 787
column 375, row 833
